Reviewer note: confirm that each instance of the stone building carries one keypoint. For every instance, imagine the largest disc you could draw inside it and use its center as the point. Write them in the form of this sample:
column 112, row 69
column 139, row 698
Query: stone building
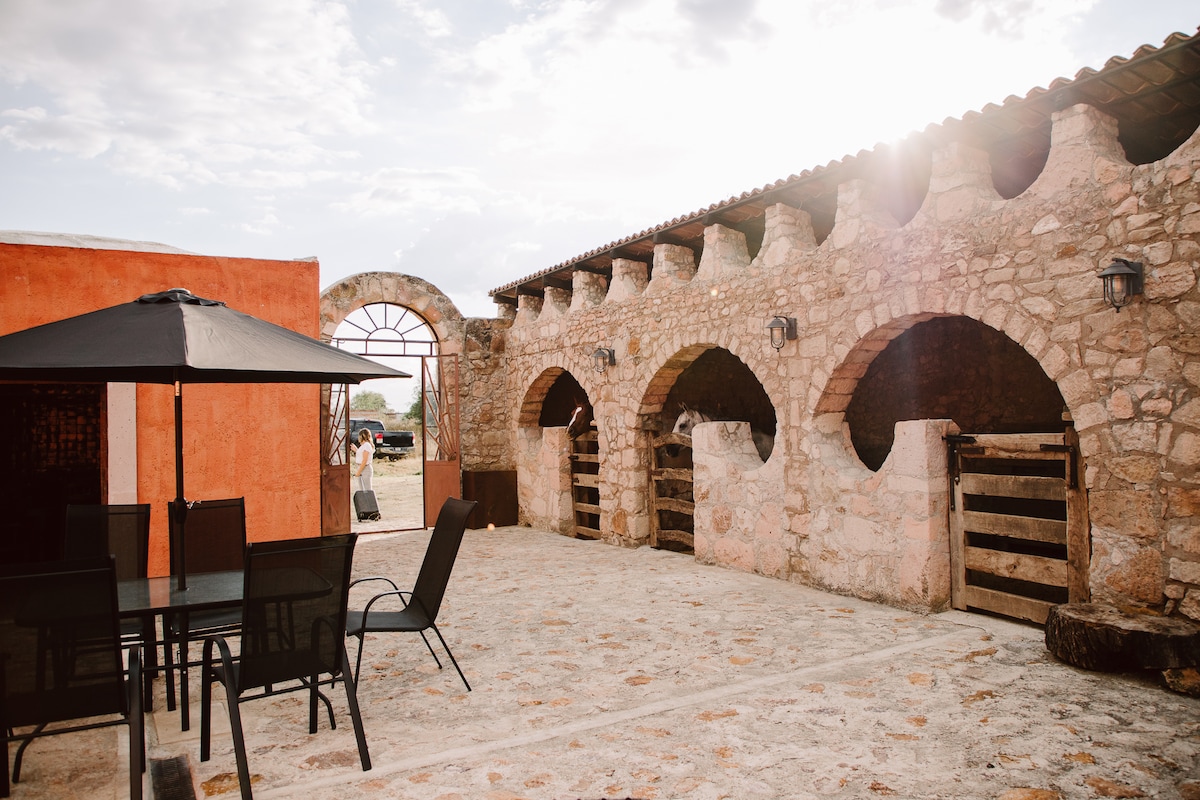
column 947, row 312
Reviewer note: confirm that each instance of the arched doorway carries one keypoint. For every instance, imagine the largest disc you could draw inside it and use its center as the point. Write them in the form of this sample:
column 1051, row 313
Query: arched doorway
column 399, row 412
column 1018, row 509
column 715, row 383
column 407, row 318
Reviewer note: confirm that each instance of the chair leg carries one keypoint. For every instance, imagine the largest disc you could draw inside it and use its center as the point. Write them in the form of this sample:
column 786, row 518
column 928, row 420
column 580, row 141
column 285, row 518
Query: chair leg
column 169, row 660
column 5, row 789
column 430, row 648
column 355, row 716
column 185, row 715
column 16, row 775
column 362, row 641
column 239, row 740
column 137, row 731
column 451, row 654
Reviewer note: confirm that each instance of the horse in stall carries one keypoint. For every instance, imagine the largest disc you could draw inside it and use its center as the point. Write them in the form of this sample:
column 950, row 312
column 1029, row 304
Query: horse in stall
column 581, row 418
column 689, row 418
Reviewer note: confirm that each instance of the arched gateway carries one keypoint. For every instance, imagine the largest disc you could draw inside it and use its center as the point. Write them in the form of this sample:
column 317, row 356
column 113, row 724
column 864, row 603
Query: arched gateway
column 394, row 317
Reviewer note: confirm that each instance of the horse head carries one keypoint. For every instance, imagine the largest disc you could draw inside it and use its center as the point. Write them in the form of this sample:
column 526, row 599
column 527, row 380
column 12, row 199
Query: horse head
column 688, row 419
column 581, row 418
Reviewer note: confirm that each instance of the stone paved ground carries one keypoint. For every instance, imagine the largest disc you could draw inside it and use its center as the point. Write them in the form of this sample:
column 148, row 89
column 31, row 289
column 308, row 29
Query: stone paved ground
column 605, row 672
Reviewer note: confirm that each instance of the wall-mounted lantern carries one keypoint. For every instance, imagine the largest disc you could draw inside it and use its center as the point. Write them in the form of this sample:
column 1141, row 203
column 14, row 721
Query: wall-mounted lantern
column 781, row 330
column 1122, row 280
column 603, row 358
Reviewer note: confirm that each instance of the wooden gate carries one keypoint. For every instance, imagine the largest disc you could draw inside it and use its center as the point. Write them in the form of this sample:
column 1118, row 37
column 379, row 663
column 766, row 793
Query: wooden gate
column 1018, row 523
column 585, row 483
column 672, row 504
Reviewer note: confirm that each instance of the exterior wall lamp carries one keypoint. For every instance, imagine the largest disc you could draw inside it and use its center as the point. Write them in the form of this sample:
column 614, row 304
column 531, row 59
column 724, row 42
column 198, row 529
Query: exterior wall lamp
column 781, row 330
column 603, row 358
column 1122, row 280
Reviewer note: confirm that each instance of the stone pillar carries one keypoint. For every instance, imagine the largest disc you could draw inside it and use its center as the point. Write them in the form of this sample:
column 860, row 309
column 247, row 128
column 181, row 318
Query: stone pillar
column 1083, row 149
column 529, row 308
column 587, row 289
column 556, row 302
column 629, row 279
column 724, row 253
column 788, row 232
column 960, row 184
column 919, row 474
column 674, row 265
column 859, row 207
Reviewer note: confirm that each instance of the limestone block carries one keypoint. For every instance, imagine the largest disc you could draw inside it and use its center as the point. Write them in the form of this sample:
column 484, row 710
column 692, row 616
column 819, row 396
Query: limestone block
column 1080, row 138
column 629, row 279
column 587, row 289
column 787, row 235
column 529, row 308
column 555, row 303
column 724, row 255
column 674, row 265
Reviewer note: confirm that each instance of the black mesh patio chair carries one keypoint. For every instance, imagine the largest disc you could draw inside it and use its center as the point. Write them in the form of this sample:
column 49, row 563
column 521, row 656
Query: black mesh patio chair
column 123, row 531
column 119, row 530
column 60, row 660
column 216, row 542
column 293, row 616
column 421, row 605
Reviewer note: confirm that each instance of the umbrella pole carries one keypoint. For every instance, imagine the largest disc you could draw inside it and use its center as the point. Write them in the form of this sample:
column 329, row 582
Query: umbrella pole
column 180, row 503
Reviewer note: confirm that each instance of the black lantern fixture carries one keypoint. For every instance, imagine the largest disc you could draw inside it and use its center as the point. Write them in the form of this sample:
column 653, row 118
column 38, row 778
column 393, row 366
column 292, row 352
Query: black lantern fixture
column 1122, row 280
column 603, row 358
column 781, row 330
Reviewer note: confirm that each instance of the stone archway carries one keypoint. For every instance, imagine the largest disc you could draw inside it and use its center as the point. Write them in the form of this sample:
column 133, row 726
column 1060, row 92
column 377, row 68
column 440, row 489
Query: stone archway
column 338, row 302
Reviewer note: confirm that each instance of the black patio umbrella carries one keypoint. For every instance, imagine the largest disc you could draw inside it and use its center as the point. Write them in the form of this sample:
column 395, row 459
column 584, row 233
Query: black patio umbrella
column 174, row 337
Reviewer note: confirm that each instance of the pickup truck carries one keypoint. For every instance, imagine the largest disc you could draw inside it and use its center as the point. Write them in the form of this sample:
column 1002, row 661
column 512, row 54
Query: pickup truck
column 392, row 445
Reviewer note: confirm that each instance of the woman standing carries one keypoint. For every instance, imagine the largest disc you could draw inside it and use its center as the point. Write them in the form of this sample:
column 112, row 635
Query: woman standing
column 363, row 456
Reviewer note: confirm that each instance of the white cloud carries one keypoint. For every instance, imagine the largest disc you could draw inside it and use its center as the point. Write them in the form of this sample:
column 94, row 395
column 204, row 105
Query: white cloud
column 179, row 91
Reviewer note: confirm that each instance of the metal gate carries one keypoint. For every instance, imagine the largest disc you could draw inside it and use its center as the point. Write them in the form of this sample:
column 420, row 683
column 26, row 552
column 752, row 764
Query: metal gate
column 1018, row 523
column 672, row 504
column 442, row 466
column 585, row 483
column 335, row 465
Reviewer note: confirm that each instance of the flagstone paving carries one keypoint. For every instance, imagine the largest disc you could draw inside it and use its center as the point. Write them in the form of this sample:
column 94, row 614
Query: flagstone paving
column 607, row 672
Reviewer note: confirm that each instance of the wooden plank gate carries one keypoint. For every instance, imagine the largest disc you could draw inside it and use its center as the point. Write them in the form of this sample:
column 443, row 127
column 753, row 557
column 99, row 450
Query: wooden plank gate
column 1018, row 523
column 672, row 505
column 585, row 483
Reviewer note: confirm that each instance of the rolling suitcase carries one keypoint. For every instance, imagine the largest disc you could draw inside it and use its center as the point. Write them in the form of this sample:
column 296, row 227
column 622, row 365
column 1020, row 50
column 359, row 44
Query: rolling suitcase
column 365, row 506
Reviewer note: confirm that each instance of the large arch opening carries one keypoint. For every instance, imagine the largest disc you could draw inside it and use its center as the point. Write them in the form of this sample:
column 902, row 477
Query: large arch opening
column 566, row 468
column 951, row 368
column 717, row 384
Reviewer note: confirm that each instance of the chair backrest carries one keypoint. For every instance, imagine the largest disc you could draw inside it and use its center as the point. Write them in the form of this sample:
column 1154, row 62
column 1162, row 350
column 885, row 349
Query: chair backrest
column 294, row 609
column 60, row 642
column 123, row 531
column 447, row 535
column 215, row 532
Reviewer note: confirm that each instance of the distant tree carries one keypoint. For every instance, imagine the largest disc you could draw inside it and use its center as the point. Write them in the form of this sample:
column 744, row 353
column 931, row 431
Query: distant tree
column 368, row 401
column 414, row 410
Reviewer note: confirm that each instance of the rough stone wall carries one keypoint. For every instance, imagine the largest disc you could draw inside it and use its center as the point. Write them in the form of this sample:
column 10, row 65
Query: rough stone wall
column 1025, row 266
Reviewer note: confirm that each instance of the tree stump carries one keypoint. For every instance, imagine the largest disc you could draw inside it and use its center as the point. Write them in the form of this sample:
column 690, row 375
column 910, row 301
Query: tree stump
column 1107, row 639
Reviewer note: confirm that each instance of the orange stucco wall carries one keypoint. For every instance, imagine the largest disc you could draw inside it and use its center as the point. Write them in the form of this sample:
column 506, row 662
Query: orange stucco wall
column 257, row 441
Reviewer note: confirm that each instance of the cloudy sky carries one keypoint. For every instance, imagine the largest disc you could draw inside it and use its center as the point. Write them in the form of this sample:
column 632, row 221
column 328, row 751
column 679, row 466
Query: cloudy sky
column 473, row 142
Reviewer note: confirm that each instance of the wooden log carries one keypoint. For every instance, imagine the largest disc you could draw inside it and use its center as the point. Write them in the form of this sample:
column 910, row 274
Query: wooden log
column 1107, row 639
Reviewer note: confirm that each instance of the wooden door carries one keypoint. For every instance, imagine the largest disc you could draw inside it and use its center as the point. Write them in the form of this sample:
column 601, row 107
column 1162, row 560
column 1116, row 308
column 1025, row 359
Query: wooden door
column 1019, row 525
column 672, row 506
column 585, row 483
column 442, row 459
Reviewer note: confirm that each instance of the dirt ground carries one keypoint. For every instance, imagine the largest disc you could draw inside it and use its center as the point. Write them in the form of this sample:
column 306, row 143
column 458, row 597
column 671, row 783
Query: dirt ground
column 398, row 490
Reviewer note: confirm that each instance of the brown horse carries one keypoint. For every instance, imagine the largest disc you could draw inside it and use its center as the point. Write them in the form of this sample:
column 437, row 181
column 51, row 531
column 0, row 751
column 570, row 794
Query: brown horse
column 581, row 418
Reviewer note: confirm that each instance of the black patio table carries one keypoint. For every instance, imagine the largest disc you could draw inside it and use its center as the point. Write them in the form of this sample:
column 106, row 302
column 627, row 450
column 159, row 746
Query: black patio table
column 147, row 598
